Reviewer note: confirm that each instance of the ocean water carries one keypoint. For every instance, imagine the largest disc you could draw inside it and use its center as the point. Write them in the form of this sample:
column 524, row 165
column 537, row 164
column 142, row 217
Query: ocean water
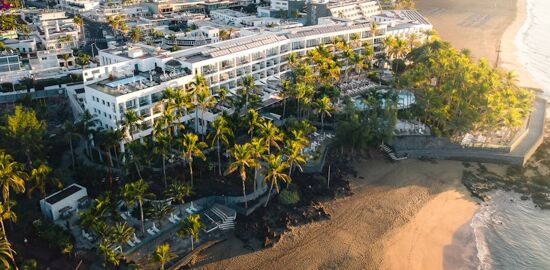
column 511, row 234
column 533, row 43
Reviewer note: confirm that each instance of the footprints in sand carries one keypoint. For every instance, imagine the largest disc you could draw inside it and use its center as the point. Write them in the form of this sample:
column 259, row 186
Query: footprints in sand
column 475, row 20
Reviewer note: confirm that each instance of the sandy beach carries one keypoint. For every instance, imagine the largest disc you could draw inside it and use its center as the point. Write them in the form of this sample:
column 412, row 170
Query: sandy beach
column 407, row 215
column 409, row 200
column 486, row 27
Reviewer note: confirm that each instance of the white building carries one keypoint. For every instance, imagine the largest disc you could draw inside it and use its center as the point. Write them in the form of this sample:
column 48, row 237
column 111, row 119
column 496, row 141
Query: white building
column 403, row 22
column 52, row 60
column 9, row 61
column 56, row 31
column 64, row 202
column 134, row 78
column 78, row 6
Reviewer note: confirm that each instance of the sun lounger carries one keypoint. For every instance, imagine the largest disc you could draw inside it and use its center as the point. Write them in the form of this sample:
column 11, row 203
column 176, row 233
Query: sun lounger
column 123, row 216
column 136, row 240
column 155, row 228
column 151, row 232
column 130, row 243
column 172, row 220
column 176, row 217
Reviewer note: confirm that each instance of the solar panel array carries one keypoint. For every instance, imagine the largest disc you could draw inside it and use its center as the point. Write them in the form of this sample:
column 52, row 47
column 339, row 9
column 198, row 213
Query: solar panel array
column 326, row 29
column 226, row 49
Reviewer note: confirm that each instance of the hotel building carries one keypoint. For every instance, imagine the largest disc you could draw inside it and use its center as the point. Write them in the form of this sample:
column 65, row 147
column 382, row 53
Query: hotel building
column 133, row 78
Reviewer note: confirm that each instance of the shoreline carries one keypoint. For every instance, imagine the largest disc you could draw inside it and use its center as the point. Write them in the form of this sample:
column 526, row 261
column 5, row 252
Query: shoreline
column 509, row 58
column 433, row 239
column 388, row 198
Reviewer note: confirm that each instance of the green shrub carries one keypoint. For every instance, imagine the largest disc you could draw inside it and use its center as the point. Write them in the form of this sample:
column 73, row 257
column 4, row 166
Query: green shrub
column 55, row 236
column 289, row 197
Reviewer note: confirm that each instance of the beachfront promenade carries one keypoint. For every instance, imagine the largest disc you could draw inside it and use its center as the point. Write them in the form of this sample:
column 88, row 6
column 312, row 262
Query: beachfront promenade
column 422, row 146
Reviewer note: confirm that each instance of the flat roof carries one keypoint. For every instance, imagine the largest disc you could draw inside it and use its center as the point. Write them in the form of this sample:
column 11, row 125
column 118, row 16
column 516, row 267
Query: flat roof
column 62, row 194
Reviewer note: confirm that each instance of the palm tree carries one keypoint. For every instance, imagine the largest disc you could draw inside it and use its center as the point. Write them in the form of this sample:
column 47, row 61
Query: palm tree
column 158, row 211
column 12, row 176
column 178, row 191
column 373, row 28
column 241, row 154
column 271, row 135
column 70, row 131
column 121, row 232
column 254, row 121
column 82, row 60
column 66, row 58
column 429, row 34
column 135, row 34
column 285, row 93
column 323, row 107
column 109, row 255
column 40, row 176
column 192, row 147
column 248, row 88
column 135, row 192
column 191, row 227
column 294, row 156
column 162, row 255
column 275, row 173
column 84, row 126
column 162, row 145
column 204, row 100
column 221, row 94
column 221, row 133
column 78, row 21
column 131, row 122
column 258, row 149
column 6, row 214
column 6, row 253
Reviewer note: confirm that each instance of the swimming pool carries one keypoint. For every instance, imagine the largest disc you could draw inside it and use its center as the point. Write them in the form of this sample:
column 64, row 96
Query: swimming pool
column 404, row 100
column 115, row 84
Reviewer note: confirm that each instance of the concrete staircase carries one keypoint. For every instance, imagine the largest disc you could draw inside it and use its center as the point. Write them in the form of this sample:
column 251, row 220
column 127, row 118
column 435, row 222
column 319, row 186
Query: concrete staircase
column 219, row 217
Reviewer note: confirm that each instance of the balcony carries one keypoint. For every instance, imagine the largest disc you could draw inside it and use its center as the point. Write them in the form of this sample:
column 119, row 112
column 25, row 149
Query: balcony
column 257, row 57
column 227, row 65
column 209, row 70
column 243, row 61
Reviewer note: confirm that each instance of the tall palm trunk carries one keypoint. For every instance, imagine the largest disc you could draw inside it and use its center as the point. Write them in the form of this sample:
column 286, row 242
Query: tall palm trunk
column 191, row 171
column 72, row 152
column 323, row 122
column 6, row 237
column 192, row 243
column 137, row 169
column 164, row 169
column 244, row 193
column 219, row 159
column 269, row 194
column 284, row 108
column 254, row 182
column 142, row 218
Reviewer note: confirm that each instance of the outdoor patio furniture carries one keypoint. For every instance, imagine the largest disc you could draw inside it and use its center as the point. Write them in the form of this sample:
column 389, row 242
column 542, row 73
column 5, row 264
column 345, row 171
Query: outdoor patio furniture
column 130, row 243
column 136, row 240
column 172, row 220
column 155, row 228
column 123, row 216
column 151, row 232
